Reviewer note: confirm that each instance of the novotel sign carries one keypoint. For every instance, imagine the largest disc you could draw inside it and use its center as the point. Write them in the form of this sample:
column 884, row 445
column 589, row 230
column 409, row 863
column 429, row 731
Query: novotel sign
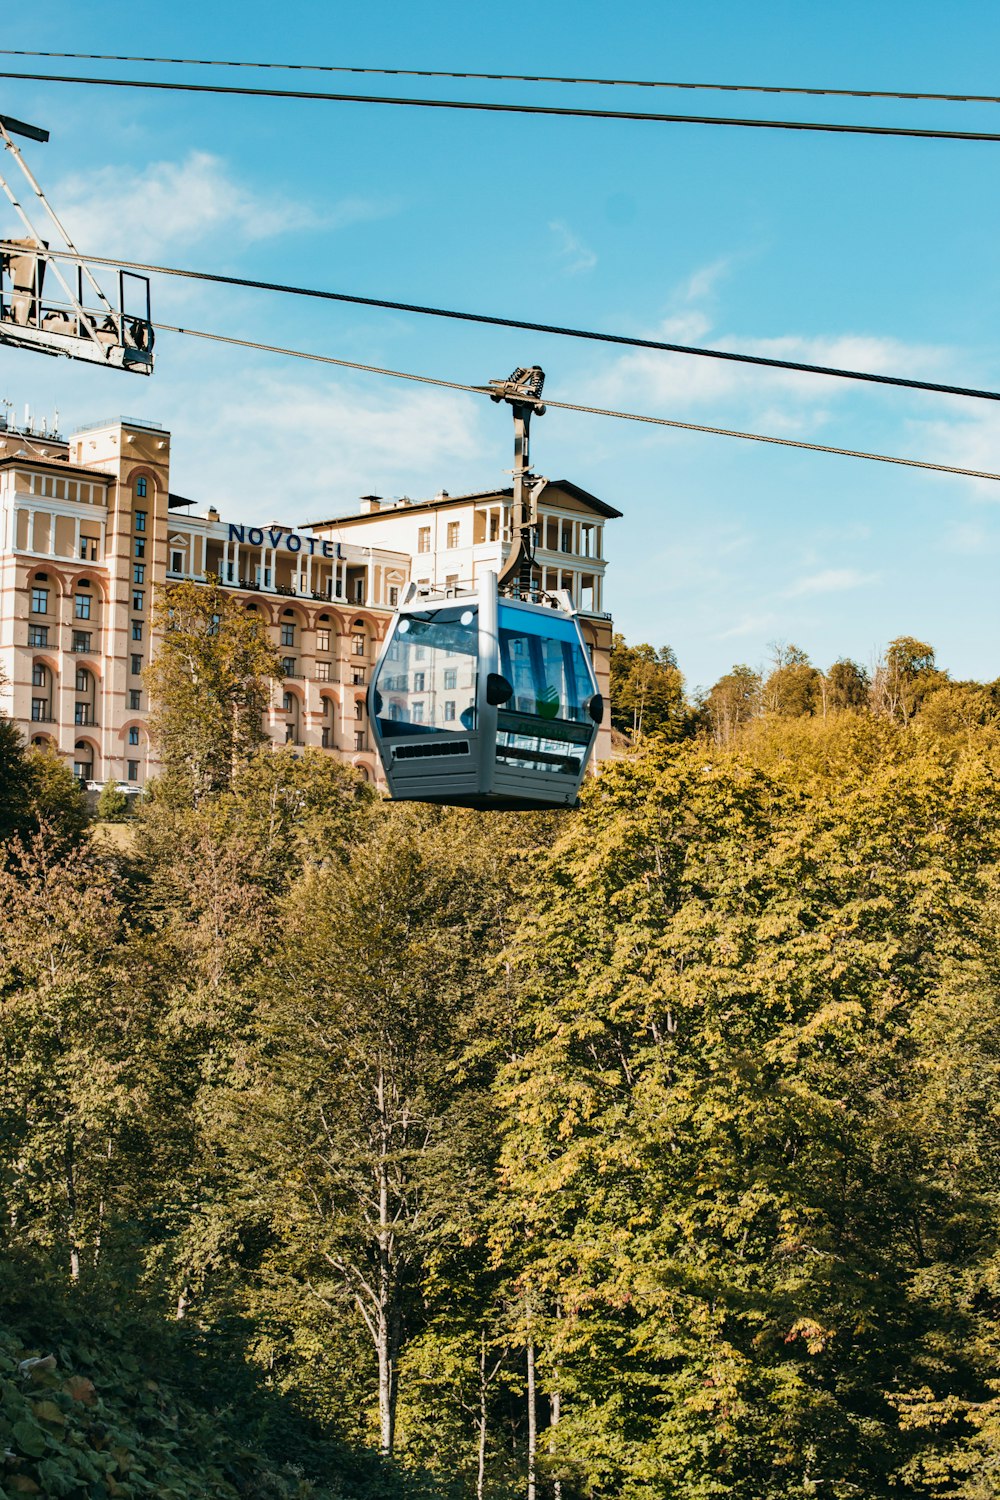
column 290, row 541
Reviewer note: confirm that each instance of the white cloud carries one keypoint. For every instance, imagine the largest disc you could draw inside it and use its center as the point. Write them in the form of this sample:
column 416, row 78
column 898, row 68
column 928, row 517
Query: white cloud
column 574, row 256
column 690, row 381
column 783, row 402
column 968, row 442
column 830, row 581
column 171, row 203
column 702, row 282
column 302, row 451
column 748, row 625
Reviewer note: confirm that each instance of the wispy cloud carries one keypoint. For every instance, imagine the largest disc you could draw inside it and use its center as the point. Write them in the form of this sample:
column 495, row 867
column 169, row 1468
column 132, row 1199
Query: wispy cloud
column 747, row 625
column 830, row 581
column 702, row 283
column 325, row 442
column 970, row 440
column 573, row 255
column 174, row 203
column 694, row 381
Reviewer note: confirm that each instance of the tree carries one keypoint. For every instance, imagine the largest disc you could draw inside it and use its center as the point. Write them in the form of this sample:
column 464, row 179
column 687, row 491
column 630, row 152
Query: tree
column 647, row 691
column 36, row 788
column 359, row 1120
column 56, row 799
column 747, row 1131
column 732, row 702
column 792, row 688
column 959, row 709
column 209, row 685
column 846, row 686
column 112, row 804
column 14, row 780
column 904, row 677
column 78, row 1085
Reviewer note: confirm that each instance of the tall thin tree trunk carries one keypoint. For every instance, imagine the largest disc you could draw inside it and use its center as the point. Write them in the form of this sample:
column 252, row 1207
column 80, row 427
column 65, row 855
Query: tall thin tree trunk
column 102, row 1209
column 74, row 1249
column 481, row 1471
column 386, row 1386
column 555, row 1411
column 386, row 1339
column 532, row 1420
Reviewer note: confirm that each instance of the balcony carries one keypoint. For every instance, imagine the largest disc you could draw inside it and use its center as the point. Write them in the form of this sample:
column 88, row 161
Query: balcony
column 252, row 587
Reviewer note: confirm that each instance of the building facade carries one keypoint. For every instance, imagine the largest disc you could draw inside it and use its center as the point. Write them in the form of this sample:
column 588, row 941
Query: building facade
column 90, row 533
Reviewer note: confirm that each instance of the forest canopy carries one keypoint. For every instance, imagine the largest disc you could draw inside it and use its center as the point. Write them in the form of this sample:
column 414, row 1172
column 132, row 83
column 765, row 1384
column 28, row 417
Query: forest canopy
column 652, row 1149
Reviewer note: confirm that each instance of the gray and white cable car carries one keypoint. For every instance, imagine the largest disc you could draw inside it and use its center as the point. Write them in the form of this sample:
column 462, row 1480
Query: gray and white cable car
column 484, row 701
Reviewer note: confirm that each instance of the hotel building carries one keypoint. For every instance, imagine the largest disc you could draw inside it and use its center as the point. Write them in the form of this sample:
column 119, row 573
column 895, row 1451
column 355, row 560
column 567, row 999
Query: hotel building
column 90, row 533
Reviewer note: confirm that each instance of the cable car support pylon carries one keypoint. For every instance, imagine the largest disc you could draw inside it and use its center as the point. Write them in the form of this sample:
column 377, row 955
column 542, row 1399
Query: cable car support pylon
column 522, row 391
column 103, row 334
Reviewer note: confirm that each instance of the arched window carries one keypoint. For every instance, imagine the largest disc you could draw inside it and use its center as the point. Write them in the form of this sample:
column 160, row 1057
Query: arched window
column 83, row 760
column 83, row 712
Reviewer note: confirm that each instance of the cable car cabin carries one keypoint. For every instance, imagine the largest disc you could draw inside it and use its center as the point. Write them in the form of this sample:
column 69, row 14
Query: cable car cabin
column 483, row 701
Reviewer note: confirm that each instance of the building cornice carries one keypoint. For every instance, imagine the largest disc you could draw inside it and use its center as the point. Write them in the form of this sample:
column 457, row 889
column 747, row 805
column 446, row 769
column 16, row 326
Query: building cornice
column 600, row 507
column 57, row 466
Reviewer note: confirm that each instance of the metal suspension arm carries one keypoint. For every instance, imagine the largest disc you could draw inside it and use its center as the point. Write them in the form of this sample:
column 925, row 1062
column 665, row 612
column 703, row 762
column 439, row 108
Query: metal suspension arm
column 103, row 335
column 522, row 390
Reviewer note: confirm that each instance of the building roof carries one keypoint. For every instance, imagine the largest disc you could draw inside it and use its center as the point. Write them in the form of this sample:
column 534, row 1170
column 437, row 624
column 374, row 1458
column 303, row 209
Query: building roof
column 440, row 502
column 57, row 465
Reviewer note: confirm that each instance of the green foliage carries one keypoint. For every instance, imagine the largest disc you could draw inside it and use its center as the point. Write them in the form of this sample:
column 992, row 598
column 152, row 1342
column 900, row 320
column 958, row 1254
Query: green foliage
column 647, row 692
column 733, row 702
column 209, row 685
column 318, row 1114
column 14, row 815
column 847, row 685
column 112, row 804
column 38, row 789
column 98, row 1402
column 905, row 678
column 794, row 687
column 78, row 1089
column 750, row 1133
column 358, row 1124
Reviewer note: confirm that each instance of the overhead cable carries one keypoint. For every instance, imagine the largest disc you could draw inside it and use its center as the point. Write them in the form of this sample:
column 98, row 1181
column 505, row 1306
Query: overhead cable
column 593, row 411
column 635, row 83
column 625, row 340
column 508, row 109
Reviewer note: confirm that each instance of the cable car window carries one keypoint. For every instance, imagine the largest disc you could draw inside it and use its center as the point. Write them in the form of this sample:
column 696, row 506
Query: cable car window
column 545, row 726
column 413, row 702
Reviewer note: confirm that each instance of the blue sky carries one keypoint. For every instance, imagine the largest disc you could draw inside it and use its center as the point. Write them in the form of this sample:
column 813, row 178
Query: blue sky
column 878, row 253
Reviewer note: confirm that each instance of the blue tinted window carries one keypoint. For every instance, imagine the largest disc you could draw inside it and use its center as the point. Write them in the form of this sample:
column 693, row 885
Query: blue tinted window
column 446, row 644
column 545, row 726
column 545, row 663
